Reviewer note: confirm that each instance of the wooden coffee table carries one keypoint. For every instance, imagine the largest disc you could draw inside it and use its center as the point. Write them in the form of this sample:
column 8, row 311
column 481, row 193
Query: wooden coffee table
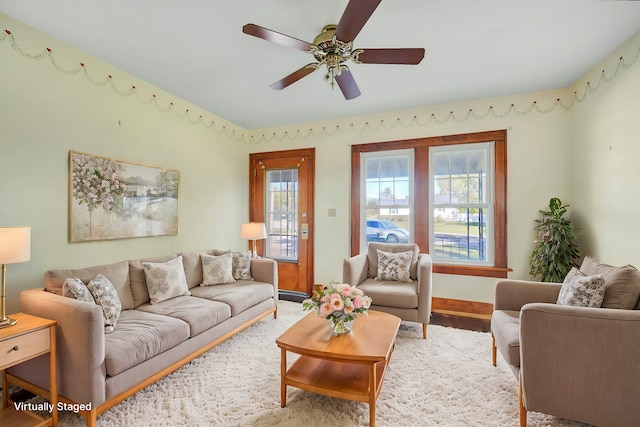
column 350, row 366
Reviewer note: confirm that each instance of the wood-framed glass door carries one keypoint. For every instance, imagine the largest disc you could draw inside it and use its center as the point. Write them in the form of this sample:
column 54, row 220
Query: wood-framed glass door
column 281, row 195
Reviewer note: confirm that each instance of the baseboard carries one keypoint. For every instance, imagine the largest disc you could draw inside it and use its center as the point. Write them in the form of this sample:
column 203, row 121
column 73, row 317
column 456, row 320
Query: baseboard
column 472, row 315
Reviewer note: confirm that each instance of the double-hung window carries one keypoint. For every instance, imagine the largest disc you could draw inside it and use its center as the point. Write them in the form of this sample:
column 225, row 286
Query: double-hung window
column 461, row 200
column 447, row 194
column 387, row 197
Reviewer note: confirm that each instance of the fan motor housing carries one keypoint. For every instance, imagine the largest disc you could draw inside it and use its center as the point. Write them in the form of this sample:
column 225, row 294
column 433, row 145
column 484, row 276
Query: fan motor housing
column 324, row 40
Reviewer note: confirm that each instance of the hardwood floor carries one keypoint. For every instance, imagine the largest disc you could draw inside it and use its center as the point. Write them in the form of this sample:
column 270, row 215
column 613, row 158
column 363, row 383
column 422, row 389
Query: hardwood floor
column 461, row 322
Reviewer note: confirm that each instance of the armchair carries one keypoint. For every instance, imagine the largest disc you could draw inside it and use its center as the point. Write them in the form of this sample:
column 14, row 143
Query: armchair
column 410, row 301
column 572, row 362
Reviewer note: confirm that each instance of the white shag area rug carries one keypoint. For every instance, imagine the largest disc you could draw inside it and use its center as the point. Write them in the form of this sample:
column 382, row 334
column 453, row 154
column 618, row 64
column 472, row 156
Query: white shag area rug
column 447, row 380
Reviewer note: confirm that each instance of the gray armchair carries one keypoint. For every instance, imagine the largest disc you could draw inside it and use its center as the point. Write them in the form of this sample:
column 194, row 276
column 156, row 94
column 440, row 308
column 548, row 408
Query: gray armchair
column 576, row 363
column 410, row 301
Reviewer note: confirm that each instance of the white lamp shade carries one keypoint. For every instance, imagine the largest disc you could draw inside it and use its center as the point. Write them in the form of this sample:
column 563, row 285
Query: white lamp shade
column 15, row 244
column 253, row 231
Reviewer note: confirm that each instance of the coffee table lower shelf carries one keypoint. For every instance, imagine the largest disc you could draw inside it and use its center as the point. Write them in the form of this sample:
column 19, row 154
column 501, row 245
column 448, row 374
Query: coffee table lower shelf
column 337, row 379
column 344, row 380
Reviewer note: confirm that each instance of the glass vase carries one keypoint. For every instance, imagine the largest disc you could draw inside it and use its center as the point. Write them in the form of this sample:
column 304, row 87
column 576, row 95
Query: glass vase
column 339, row 326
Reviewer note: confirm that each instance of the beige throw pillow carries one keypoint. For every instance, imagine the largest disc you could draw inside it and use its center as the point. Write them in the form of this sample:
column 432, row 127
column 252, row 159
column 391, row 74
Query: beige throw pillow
column 622, row 284
column 217, row 270
column 241, row 265
column 165, row 280
column 394, row 266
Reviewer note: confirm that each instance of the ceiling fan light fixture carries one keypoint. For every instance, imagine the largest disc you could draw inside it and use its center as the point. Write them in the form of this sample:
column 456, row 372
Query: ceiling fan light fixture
column 333, row 53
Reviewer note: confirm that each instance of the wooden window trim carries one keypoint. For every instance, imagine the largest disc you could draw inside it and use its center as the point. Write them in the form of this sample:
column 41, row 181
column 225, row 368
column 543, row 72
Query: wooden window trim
column 421, row 195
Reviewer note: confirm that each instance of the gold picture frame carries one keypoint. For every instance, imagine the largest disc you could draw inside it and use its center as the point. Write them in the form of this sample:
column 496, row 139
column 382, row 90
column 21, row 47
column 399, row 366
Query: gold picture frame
column 115, row 199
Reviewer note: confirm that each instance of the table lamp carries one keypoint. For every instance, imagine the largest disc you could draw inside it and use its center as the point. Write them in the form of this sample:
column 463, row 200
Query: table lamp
column 253, row 231
column 15, row 246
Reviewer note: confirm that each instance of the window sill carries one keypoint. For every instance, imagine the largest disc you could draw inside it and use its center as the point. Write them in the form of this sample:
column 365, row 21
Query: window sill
column 467, row 270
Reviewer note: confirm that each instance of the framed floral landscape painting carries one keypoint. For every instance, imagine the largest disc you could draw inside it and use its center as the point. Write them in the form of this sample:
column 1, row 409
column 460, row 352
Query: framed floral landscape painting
column 113, row 199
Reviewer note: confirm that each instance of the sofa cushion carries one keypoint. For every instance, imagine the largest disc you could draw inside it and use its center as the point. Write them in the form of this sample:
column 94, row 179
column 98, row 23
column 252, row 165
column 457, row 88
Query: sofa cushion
column 106, row 297
column 391, row 294
column 139, row 290
column 75, row 288
column 117, row 273
column 622, row 284
column 200, row 314
column 505, row 327
column 580, row 290
column 372, row 256
column 394, row 266
column 193, row 266
column 165, row 280
column 140, row 336
column 239, row 296
column 217, row 270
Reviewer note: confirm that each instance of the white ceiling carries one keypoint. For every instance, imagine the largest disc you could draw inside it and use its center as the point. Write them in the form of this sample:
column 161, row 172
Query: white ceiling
column 474, row 49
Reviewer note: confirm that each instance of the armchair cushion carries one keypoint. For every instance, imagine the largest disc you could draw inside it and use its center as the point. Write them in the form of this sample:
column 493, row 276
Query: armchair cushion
column 391, row 294
column 505, row 327
column 372, row 256
column 580, row 290
column 394, row 266
column 622, row 284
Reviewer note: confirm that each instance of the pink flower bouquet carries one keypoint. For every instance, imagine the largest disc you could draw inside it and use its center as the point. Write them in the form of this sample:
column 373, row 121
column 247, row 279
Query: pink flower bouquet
column 338, row 302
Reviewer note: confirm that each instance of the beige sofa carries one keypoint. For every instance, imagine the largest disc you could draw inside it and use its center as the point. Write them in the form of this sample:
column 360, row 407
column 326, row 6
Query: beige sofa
column 149, row 340
column 577, row 363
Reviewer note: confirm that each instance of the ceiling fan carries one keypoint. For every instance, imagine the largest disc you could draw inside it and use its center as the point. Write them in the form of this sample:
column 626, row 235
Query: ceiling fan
column 333, row 47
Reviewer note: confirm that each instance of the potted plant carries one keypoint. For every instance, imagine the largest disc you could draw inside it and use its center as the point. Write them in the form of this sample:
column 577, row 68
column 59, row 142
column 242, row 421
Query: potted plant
column 554, row 252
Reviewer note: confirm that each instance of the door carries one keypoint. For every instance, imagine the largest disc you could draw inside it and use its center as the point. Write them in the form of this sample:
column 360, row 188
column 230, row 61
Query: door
column 281, row 196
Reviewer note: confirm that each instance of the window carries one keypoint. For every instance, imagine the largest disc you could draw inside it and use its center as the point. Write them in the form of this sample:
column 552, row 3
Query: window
column 281, row 201
column 448, row 195
column 461, row 199
column 388, row 185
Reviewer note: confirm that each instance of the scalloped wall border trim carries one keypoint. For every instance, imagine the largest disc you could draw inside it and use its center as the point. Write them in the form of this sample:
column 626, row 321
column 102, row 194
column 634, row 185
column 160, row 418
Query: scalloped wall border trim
column 257, row 137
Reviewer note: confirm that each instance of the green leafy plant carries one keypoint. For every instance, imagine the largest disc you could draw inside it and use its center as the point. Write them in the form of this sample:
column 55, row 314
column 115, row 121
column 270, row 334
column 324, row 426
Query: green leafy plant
column 554, row 252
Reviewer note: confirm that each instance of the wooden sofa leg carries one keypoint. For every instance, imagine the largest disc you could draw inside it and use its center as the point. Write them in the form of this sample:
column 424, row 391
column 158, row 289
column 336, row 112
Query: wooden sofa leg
column 523, row 410
column 493, row 350
column 424, row 331
column 91, row 417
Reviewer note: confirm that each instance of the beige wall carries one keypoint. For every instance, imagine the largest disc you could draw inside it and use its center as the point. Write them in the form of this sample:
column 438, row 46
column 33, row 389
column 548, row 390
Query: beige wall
column 605, row 153
column 44, row 113
column 552, row 152
column 533, row 138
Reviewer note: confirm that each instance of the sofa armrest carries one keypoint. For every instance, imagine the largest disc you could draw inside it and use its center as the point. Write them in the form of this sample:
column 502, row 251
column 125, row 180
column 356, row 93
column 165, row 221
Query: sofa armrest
column 581, row 363
column 513, row 294
column 265, row 270
column 80, row 346
column 354, row 269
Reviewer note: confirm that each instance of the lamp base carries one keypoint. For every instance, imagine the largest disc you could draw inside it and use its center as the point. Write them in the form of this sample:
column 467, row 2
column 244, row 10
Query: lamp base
column 6, row 322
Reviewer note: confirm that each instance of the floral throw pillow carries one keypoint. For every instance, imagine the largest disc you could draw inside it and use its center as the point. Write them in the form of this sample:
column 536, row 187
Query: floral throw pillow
column 394, row 266
column 106, row 297
column 75, row 288
column 580, row 290
column 241, row 267
column 217, row 270
column 165, row 280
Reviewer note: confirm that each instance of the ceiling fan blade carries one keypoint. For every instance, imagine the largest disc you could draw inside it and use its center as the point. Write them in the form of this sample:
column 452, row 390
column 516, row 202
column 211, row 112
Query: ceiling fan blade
column 295, row 76
column 276, row 37
column 347, row 84
column 354, row 17
column 410, row 56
